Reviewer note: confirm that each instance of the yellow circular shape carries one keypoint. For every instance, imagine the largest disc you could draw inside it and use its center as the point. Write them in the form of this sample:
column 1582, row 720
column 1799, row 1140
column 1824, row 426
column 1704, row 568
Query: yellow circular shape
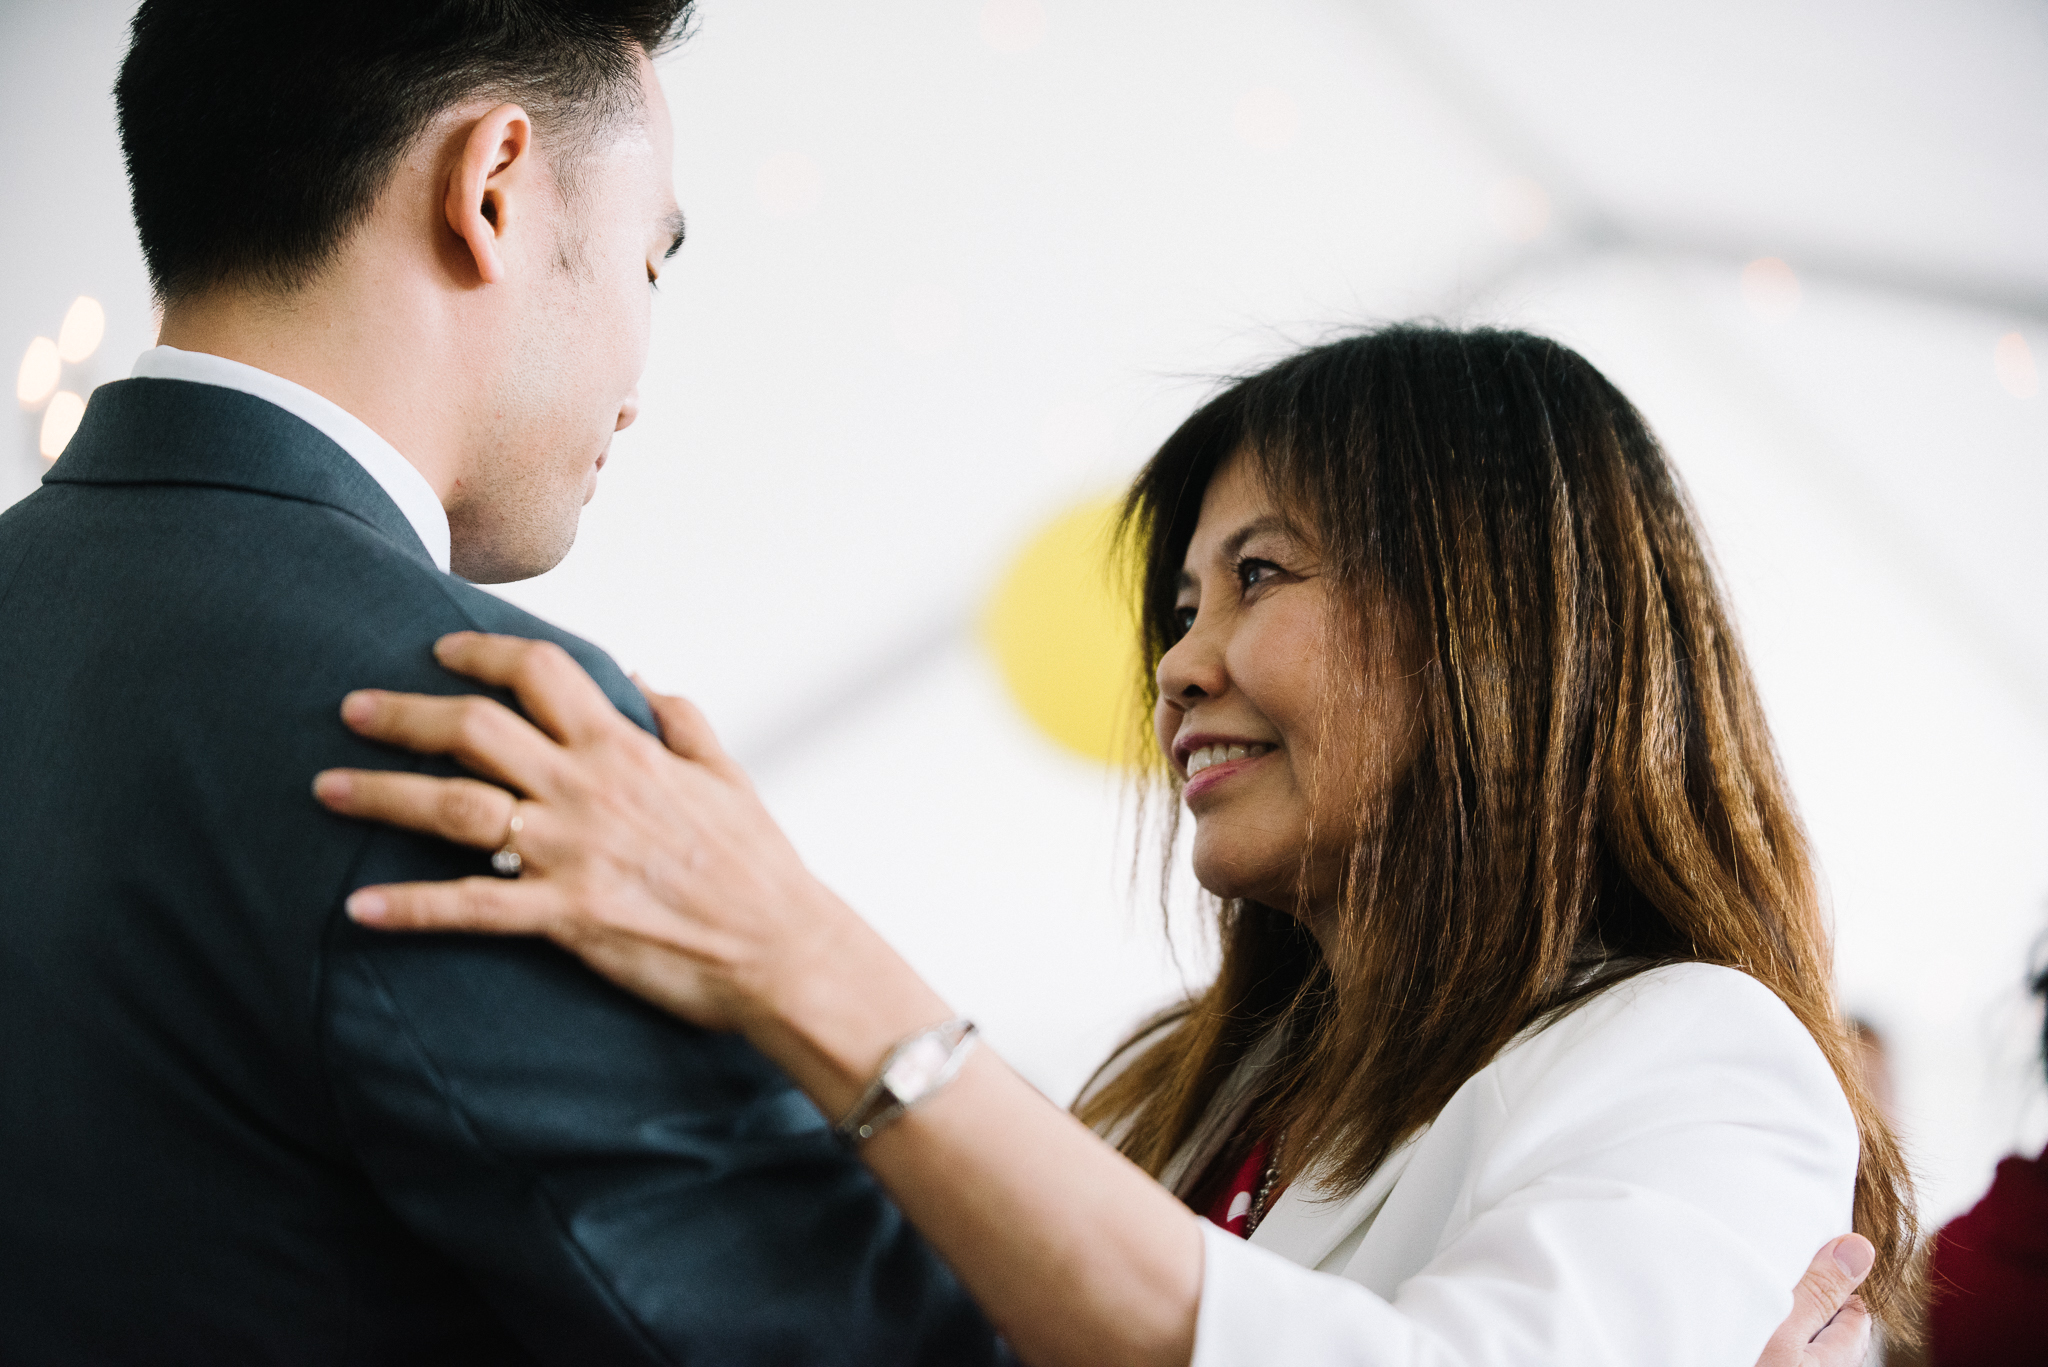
column 1063, row 630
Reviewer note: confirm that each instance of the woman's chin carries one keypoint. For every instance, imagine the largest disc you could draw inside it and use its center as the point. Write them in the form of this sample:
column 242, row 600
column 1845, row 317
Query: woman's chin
column 1234, row 874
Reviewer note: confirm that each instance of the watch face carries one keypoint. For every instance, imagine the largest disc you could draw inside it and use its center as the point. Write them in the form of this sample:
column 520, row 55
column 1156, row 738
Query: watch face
column 910, row 1074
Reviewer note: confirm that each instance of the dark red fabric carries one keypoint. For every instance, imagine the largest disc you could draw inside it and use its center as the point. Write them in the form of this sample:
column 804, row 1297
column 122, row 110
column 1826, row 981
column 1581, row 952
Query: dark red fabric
column 1990, row 1285
column 1246, row 1185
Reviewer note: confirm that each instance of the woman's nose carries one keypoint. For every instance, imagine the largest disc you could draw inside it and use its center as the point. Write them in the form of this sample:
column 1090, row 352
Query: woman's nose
column 1193, row 668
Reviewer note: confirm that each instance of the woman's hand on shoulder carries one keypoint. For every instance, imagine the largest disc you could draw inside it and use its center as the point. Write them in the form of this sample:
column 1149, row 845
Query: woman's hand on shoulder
column 1828, row 1326
column 654, row 861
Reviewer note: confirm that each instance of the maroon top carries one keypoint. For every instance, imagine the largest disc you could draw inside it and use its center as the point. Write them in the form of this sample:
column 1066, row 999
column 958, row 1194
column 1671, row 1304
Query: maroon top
column 1233, row 1205
column 1990, row 1284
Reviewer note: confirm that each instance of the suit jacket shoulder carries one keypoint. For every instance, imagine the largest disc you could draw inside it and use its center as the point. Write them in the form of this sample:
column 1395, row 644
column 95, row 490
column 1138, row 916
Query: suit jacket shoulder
column 236, row 1126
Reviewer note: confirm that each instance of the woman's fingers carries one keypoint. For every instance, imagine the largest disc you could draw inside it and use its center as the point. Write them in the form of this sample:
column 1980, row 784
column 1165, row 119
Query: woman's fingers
column 464, row 810
column 556, row 692
column 481, row 734
column 656, row 969
column 1828, row 1326
column 497, row 906
column 683, row 728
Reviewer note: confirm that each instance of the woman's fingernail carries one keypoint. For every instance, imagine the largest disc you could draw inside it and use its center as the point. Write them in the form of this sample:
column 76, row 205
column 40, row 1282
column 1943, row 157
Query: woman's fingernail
column 367, row 905
column 331, row 785
column 357, row 706
column 1854, row 1255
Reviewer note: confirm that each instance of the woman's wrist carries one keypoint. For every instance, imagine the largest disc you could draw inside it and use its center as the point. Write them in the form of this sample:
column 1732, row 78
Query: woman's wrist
column 830, row 1011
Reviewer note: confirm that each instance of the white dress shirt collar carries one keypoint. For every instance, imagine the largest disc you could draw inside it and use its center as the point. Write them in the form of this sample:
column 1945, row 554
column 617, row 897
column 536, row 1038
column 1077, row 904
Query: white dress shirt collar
column 396, row 475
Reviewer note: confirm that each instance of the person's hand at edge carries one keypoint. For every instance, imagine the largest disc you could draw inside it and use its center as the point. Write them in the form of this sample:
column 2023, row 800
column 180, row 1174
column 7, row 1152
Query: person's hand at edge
column 1828, row 1326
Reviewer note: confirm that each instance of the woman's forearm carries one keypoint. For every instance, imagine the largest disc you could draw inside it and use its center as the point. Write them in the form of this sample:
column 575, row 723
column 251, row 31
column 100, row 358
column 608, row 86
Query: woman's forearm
column 1077, row 1256
column 1075, row 1253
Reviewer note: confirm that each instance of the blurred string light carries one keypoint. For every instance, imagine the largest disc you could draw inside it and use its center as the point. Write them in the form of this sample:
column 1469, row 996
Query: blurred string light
column 1013, row 25
column 2014, row 362
column 1064, row 638
column 60, row 420
column 1770, row 289
column 85, row 323
column 42, row 369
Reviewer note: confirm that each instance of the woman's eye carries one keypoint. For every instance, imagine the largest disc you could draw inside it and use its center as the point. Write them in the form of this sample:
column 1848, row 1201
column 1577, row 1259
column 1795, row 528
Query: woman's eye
column 1252, row 573
column 1183, row 622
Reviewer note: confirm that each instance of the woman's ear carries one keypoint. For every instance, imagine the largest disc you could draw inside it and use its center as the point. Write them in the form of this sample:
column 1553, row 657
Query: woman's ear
column 485, row 182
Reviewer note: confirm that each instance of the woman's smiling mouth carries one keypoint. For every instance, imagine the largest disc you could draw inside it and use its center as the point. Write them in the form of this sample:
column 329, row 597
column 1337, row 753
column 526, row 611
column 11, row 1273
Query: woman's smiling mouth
column 1222, row 753
column 1216, row 762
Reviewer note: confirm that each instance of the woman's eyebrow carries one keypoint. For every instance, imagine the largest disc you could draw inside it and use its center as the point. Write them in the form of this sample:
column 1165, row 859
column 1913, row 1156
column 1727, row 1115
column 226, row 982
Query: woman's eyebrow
column 1234, row 543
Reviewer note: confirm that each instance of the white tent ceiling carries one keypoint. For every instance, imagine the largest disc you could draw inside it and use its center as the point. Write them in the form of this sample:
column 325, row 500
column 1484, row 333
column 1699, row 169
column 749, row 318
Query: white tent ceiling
column 953, row 267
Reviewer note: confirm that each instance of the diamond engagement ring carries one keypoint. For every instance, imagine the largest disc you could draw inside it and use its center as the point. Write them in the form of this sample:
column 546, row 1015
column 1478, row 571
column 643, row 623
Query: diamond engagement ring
column 506, row 863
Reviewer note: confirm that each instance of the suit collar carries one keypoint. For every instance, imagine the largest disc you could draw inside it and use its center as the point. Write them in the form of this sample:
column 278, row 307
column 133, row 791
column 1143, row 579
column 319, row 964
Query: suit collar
column 177, row 432
column 1305, row 1224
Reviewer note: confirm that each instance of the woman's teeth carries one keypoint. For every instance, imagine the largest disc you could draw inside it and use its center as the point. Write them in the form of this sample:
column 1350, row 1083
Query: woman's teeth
column 1220, row 754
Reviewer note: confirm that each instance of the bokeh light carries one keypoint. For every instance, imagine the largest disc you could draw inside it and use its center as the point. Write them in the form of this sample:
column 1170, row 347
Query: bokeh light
column 60, row 420
column 84, row 325
column 2014, row 362
column 1770, row 289
column 40, row 368
column 1064, row 636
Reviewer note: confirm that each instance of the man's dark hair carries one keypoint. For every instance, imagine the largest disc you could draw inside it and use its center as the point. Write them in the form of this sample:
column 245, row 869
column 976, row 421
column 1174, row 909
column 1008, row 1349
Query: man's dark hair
column 259, row 134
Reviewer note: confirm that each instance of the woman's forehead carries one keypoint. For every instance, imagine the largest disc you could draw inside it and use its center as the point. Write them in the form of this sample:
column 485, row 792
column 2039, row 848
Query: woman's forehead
column 1236, row 507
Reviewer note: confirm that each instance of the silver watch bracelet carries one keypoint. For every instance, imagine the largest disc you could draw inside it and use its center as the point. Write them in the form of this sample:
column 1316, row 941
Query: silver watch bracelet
column 913, row 1072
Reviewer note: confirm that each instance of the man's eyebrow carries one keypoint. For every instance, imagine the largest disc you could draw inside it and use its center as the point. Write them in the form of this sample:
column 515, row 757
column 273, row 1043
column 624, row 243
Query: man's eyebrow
column 673, row 226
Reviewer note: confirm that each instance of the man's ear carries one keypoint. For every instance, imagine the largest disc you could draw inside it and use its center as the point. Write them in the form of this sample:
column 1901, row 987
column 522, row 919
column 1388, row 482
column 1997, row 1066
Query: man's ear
column 483, row 186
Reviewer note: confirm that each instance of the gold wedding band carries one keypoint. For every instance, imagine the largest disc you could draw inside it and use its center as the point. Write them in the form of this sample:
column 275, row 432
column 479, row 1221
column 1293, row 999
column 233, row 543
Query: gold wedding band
column 506, row 863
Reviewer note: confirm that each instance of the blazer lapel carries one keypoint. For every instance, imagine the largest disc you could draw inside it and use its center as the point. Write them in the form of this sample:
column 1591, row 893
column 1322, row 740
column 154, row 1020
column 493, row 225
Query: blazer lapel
column 1304, row 1225
column 178, row 432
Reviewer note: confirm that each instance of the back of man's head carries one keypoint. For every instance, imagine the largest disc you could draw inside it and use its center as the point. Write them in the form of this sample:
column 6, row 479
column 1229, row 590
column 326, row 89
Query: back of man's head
column 259, row 134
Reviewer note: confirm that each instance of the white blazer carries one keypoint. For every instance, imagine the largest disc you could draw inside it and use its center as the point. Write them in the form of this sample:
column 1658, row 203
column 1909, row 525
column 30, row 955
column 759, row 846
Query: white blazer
column 1640, row 1183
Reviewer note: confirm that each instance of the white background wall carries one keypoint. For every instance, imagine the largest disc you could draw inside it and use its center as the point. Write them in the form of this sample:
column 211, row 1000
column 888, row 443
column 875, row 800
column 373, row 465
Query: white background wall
column 955, row 266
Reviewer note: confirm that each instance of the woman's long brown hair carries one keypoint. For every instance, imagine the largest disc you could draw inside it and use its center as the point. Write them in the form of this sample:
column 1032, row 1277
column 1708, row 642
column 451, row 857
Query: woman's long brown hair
column 1595, row 793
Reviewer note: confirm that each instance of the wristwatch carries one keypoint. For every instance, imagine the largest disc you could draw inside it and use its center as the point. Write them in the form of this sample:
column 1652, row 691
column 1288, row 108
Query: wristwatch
column 914, row 1070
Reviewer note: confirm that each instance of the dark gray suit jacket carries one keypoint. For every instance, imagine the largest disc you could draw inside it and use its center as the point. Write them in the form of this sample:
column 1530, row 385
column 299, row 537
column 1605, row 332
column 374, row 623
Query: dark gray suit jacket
column 237, row 1128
